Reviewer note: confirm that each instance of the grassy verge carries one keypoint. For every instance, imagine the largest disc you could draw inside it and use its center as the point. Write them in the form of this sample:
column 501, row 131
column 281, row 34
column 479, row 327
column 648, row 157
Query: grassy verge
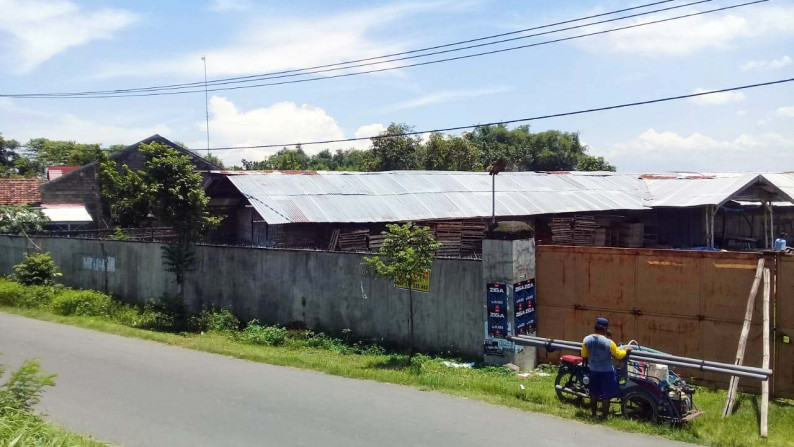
column 22, row 428
column 492, row 385
column 219, row 332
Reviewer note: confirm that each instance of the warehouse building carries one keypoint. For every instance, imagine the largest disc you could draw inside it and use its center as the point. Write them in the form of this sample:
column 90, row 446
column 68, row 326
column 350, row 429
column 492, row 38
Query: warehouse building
column 349, row 210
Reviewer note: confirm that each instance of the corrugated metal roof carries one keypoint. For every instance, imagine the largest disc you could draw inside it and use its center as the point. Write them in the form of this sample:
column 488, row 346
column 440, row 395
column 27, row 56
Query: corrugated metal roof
column 422, row 195
column 66, row 213
column 336, row 197
column 783, row 181
column 698, row 190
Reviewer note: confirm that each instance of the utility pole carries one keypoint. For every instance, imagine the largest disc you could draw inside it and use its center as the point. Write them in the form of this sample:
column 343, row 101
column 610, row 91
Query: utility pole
column 206, row 103
column 494, row 171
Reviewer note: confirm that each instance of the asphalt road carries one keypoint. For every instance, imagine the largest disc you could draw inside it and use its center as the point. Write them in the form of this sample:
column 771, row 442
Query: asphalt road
column 138, row 393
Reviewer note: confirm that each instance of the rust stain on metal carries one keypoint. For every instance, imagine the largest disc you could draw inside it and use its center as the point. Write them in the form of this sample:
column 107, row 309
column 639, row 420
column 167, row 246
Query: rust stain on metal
column 667, row 263
column 734, row 266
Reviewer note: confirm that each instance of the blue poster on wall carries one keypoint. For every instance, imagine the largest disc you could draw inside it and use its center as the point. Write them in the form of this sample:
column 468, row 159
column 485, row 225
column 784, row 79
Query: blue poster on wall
column 497, row 310
column 524, row 307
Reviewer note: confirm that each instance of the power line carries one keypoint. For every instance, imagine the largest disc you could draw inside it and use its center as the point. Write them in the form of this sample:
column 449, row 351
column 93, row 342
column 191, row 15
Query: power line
column 59, row 96
column 418, row 50
column 519, row 120
column 468, row 47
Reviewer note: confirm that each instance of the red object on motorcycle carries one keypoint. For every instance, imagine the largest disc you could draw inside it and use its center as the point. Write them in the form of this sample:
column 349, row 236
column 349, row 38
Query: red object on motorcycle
column 573, row 359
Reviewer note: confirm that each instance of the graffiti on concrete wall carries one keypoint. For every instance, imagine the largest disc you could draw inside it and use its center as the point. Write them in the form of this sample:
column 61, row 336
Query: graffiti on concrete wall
column 99, row 264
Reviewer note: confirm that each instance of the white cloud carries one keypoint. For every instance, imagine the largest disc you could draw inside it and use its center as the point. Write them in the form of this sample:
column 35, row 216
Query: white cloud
column 280, row 123
column 447, row 96
column 655, row 151
column 369, row 130
column 30, row 123
column 228, row 5
column 271, row 43
column 37, row 30
column 741, row 113
column 689, row 35
column 788, row 111
column 716, row 98
column 767, row 65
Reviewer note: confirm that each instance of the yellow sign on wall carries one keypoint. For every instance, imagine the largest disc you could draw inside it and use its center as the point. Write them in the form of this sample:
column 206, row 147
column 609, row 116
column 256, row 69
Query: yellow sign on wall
column 421, row 283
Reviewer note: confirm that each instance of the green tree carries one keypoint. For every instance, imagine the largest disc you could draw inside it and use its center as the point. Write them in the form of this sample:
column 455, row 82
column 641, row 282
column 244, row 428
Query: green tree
column 50, row 152
column 500, row 143
column 289, row 160
column 393, row 150
column 172, row 191
column 407, row 253
column 8, row 157
column 177, row 199
column 124, row 195
column 214, row 159
column 15, row 219
column 451, row 153
column 591, row 163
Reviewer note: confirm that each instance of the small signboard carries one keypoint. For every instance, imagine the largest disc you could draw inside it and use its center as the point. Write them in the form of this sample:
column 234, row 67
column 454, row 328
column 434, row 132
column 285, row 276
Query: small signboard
column 421, row 283
column 498, row 325
column 524, row 307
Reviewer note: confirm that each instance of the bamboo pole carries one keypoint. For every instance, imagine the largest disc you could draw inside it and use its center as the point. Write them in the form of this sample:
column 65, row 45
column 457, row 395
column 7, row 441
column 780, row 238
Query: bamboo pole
column 765, row 358
column 748, row 317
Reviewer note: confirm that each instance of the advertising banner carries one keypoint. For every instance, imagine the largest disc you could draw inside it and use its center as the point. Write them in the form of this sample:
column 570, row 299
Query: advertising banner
column 524, row 307
column 497, row 311
column 421, row 283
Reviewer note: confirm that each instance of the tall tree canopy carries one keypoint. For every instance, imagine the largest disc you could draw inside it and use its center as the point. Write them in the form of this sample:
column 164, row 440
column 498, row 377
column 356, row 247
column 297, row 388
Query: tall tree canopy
column 8, row 157
column 551, row 150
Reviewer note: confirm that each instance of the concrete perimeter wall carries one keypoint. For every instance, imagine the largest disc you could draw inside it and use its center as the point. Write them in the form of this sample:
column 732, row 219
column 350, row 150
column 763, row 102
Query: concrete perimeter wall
column 325, row 290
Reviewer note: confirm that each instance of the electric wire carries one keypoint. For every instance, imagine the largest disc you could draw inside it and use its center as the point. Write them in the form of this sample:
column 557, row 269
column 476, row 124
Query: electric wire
column 62, row 96
column 518, row 120
column 418, row 50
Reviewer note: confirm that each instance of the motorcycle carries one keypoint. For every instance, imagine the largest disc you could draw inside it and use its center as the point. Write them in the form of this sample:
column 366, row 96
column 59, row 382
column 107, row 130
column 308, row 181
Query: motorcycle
column 647, row 391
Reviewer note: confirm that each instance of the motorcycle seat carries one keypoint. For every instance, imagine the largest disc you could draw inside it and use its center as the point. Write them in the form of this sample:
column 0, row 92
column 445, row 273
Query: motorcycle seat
column 574, row 359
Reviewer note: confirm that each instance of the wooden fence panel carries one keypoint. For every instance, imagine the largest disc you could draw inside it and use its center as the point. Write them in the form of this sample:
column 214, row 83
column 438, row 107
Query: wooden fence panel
column 783, row 353
column 687, row 303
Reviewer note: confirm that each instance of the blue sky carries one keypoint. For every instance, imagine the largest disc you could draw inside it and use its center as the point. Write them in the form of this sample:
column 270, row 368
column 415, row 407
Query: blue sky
column 76, row 45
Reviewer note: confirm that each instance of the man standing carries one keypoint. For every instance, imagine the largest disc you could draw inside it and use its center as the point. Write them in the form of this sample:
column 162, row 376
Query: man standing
column 599, row 351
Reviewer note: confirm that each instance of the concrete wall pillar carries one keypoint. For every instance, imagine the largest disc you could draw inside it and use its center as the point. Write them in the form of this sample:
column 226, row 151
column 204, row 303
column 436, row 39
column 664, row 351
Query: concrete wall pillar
column 508, row 262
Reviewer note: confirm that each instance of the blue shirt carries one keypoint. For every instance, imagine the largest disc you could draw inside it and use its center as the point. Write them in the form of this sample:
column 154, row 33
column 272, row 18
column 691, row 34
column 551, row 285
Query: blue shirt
column 780, row 244
column 599, row 351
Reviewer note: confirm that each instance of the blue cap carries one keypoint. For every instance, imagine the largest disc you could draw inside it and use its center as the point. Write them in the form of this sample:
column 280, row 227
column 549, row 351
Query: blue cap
column 602, row 322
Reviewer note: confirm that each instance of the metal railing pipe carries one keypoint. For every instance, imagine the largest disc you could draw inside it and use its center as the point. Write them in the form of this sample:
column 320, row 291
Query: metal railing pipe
column 713, row 369
column 695, row 362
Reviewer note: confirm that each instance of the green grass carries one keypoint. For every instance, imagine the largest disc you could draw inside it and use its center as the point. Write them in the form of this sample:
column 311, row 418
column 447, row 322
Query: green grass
column 24, row 429
column 492, row 385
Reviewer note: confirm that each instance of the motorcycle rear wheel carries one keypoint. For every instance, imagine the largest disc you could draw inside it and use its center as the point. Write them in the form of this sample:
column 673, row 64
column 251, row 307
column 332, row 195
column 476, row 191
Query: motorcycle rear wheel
column 568, row 380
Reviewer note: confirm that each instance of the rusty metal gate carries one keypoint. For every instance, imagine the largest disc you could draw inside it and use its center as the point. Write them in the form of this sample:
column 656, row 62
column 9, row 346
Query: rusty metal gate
column 688, row 303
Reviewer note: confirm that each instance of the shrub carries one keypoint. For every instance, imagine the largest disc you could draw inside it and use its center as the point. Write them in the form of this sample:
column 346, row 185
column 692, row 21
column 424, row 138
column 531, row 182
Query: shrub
column 36, row 270
column 169, row 314
column 38, row 296
column 15, row 294
column 257, row 334
column 212, row 321
column 11, row 293
column 118, row 234
column 133, row 316
column 24, row 387
column 82, row 302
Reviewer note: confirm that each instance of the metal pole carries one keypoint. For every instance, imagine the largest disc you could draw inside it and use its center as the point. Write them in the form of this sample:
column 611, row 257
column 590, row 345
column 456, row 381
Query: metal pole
column 206, row 103
column 644, row 356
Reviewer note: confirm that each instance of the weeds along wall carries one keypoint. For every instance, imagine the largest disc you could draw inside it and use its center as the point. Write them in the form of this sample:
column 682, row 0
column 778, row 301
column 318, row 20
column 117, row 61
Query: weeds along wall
column 323, row 290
